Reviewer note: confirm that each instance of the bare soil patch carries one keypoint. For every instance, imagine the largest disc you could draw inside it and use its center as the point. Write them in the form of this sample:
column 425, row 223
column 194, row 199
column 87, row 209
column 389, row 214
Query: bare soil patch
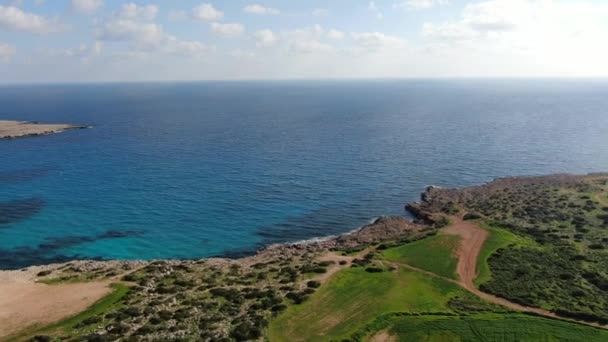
column 471, row 241
column 383, row 336
column 25, row 303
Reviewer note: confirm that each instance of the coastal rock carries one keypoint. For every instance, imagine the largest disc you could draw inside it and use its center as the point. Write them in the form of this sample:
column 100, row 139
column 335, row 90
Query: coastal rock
column 20, row 129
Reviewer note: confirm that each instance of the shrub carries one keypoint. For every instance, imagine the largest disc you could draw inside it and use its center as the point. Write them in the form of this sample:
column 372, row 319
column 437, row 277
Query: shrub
column 442, row 222
column 374, row 270
column 471, row 216
column 313, row 283
column 44, row 273
column 245, row 331
column 132, row 311
column 278, row 308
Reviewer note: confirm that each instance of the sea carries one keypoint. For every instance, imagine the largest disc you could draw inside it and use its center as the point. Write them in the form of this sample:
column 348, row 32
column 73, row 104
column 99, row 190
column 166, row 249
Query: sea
column 192, row 170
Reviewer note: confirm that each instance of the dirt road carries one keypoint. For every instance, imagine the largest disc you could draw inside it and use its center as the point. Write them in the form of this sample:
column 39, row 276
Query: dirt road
column 472, row 240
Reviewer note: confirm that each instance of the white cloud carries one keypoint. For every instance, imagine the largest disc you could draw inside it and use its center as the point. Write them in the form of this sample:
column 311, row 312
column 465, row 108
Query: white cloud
column 206, row 12
column 86, row 6
column 375, row 10
column 376, row 40
column 83, row 53
column 540, row 35
column 259, row 9
column 14, row 19
column 125, row 30
column 307, row 40
column 420, row 4
column 148, row 37
column 132, row 11
column 177, row 15
column 335, row 34
column 6, row 52
column 265, row 38
column 227, row 30
column 320, row 12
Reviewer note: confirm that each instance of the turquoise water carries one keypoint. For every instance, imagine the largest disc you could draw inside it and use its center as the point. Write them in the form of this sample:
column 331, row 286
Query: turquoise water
column 190, row 170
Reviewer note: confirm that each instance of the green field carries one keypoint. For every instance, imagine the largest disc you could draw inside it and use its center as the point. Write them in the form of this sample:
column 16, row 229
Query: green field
column 498, row 238
column 354, row 298
column 435, row 254
column 488, row 327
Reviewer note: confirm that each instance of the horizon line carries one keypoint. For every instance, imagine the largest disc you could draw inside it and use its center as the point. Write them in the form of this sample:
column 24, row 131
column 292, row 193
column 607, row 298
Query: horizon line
column 270, row 80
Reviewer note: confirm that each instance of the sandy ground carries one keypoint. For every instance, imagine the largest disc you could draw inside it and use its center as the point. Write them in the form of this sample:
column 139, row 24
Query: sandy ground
column 383, row 336
column 23, row 302
column 16, row 129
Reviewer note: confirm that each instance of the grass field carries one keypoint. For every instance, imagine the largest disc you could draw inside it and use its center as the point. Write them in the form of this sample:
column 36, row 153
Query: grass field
column 498, row 238
column 354, row 297
column 435, row 254
column 103, row 305
column 488, row 327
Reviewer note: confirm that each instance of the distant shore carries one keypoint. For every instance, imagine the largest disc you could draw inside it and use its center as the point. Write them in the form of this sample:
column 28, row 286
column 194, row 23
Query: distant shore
column 10, row 129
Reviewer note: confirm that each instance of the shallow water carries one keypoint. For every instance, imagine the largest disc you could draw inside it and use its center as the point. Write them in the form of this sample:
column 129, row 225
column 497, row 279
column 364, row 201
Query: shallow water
column 190, row 170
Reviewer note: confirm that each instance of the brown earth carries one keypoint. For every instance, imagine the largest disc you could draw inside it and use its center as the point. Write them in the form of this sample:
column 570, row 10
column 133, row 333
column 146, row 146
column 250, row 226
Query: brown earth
column 383, row 336
column 25, row 303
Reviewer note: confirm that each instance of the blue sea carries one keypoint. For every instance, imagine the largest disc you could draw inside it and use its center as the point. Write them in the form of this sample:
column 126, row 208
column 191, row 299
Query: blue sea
column 191, row 170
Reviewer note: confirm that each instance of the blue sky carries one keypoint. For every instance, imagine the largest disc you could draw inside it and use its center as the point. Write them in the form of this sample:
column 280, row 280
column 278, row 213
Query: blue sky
column 117, row 40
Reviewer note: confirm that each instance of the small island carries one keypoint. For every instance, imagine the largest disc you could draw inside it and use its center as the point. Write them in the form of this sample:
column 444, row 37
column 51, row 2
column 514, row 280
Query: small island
column 10, row 129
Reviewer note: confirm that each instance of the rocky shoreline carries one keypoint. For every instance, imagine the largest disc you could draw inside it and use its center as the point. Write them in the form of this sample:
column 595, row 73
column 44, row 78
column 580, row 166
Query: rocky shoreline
column 431, row 207
column 20, row 129
column 382, row 229
column 225, row 296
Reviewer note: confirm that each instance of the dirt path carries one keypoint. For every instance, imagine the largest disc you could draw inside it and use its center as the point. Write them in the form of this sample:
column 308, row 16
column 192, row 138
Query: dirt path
column 472, row 240
column 24, row 303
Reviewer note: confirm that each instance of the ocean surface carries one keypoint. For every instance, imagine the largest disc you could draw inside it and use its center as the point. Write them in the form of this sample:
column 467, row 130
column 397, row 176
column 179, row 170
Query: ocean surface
column 190, row 170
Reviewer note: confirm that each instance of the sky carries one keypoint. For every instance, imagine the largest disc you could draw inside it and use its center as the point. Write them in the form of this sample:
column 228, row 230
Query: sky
column 46, row 41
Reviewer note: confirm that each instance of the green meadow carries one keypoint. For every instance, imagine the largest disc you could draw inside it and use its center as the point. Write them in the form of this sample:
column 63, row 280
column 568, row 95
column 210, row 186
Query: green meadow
column 354, row 297
column 435, row 254
column 488, row 327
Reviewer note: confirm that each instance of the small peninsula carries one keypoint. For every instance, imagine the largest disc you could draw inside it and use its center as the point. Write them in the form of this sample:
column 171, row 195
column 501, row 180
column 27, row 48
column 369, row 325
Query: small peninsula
column 10, row 129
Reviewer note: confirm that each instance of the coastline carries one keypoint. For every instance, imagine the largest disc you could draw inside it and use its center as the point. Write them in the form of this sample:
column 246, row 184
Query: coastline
column 10, row 129
column 58, row 283
column 378, row 228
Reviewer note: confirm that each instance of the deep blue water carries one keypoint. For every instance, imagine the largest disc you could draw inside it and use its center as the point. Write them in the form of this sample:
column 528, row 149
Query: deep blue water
column 189, row 170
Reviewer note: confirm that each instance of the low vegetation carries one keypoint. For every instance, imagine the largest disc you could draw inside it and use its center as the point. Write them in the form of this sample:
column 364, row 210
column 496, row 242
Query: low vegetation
column 548, row 242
